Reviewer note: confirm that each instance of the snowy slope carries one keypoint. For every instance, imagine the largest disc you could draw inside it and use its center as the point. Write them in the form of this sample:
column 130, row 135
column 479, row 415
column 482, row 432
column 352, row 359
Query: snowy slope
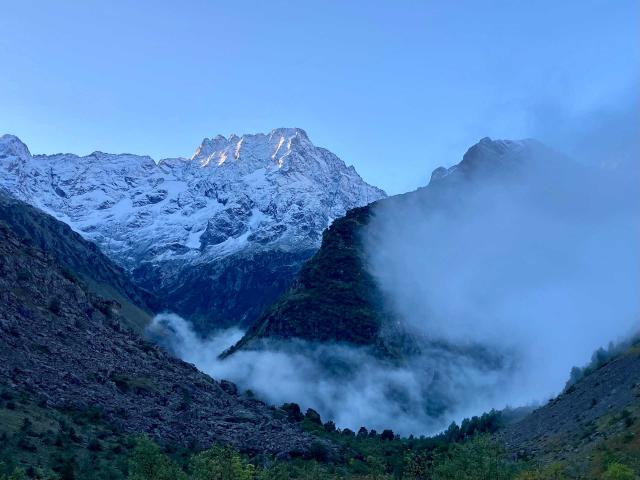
column 235, row 198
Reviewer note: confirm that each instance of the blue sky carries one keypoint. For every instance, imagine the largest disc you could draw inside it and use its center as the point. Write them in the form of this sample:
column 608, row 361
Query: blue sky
column 396, row 88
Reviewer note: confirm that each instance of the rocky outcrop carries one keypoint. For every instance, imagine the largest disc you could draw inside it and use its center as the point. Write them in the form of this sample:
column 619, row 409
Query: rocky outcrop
column 68, row 347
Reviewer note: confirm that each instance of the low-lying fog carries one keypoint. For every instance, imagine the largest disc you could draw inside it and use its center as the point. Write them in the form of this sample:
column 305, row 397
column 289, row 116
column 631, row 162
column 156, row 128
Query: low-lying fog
column 347, row 385
column 540, row 271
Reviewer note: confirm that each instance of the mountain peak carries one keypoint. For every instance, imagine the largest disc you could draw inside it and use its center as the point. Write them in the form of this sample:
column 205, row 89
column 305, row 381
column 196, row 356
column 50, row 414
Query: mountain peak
column 254, row 148
column 495, row 155
column 493, row 148
column 286, row 132
column 289, row 132
column 10, row 145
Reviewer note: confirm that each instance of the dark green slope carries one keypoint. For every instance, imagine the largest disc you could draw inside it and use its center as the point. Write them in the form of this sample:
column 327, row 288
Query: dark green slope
column 334, row 297
column 79, row 257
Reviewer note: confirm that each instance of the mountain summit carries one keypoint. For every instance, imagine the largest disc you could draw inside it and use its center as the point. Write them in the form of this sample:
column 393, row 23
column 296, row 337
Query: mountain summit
column 218, row 235
column 253, row 149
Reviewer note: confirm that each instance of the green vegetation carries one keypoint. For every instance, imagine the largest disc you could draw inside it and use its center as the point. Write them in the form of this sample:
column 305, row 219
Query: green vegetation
column 618, row 471
column 81, row 262
column 37, row 441
column 333, row 298
column 477, row 458
column 148, row 462
column 132, row 315
column 40, row 442
column 601, row 357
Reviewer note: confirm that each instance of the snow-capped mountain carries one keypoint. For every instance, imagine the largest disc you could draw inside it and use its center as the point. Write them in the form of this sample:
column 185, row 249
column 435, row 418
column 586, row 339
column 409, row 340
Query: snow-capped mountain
column 218, row 235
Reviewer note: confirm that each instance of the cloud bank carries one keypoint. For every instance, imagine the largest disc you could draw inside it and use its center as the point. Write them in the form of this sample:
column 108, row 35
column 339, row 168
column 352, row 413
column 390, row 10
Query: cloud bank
column 541, row 264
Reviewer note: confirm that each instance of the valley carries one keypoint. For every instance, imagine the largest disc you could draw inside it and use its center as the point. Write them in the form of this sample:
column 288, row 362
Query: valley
column 72, row 320
column 333, row 377
column 320, row 240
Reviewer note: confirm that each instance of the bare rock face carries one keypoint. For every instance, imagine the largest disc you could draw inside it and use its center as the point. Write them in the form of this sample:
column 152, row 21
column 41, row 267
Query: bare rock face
column 255, row 204
column 68, row 347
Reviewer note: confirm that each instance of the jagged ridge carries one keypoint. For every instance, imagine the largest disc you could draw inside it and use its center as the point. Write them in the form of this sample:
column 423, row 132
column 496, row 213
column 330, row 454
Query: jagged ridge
column 249, row 204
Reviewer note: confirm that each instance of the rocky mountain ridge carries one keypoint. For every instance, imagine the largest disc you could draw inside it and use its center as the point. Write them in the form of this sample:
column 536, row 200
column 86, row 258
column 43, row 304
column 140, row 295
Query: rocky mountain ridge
column 218, row 235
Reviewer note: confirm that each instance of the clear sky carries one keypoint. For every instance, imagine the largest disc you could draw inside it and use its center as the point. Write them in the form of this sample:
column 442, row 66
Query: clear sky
column 395, row 88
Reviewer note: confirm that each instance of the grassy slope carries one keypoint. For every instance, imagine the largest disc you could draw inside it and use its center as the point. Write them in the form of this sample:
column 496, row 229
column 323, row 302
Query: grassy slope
column 41, row 439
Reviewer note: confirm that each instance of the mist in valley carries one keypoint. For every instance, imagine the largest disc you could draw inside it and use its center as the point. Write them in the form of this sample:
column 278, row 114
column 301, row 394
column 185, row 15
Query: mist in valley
column 539, row 264
column 348, row 385
column 508, row 280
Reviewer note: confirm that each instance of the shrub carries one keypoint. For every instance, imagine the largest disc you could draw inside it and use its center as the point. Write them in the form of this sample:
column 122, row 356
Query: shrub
column 555, row 471
column 293, row 411
column 69, row 275
column 277, row 471
column 479, row 457
column 94, row 445
column 92, row 414
column 318, row 451
column 618, row 471
column 147, row 462
column 27, row 425
column 417, row 465
column 27, row 445
column 387, row 435
column 137, row 385
column 6, row 395
column 330, row 427
column 17, row 474
column 220, row 463
column 67, row 469
column 626, row 417
column 313, row 416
